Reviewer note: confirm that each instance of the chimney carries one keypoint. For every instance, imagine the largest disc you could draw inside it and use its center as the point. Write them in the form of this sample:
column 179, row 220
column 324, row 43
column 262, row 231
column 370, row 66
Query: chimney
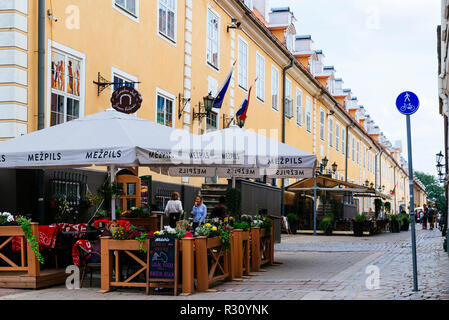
column 303, row 50
column 281, row 25
column 262, row 8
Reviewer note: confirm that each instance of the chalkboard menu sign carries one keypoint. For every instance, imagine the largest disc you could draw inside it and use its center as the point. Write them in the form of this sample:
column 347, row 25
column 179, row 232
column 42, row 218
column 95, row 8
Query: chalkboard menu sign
column 162, row 258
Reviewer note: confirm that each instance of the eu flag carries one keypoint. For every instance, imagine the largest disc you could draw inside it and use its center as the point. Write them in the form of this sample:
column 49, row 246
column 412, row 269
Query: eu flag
column 221, row 94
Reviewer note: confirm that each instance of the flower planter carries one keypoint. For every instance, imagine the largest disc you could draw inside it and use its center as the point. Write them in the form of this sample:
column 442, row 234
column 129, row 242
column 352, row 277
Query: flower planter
column 212, row 262
column 405, row 225
column 358, row 228
column 262, row 248
column 110, row 249
column 328, row 232
column 394, row 226
column 293, row 226
column 150, row 224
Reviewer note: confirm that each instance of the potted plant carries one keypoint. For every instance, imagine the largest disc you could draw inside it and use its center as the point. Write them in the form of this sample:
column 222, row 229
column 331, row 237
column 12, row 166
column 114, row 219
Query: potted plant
column 359, row 223
column 405, row 219
column 395, row 224
column 377, row 206
column 292, row 222
column 233, row 202
column 326, row 226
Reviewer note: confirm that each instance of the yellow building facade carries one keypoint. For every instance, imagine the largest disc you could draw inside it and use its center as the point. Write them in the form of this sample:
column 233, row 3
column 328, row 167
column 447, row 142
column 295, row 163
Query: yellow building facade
column 174, row 52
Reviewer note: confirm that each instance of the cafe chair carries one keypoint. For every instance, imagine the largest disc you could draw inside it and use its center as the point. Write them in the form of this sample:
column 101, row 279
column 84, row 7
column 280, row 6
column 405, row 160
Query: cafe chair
column 86, row 264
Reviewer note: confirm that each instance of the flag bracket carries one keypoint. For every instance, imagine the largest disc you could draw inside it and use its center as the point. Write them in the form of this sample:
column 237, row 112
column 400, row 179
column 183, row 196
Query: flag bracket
column 207, row 105
column 103, row 83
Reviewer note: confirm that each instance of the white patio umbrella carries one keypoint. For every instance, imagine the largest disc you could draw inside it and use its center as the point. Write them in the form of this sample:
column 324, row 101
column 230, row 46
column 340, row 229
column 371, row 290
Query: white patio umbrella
column 108, row 138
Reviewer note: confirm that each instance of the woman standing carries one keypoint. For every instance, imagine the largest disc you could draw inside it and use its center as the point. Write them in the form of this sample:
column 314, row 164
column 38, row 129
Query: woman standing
column 199, row 212
column 174, row 209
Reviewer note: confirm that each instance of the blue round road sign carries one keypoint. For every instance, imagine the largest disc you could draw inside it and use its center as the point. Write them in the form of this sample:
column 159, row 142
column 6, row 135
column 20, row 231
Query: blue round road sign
column 407, row 103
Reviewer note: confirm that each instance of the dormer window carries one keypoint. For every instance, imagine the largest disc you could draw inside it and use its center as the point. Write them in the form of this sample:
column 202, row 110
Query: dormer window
column 249, row 4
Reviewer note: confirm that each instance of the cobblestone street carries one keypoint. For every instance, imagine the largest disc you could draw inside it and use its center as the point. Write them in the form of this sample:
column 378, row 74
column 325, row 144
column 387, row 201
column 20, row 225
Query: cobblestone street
column 318, row 268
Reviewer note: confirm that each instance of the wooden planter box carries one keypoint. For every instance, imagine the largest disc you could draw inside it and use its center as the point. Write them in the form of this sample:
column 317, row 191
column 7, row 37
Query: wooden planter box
column 212, row 262
column 110, row 246
column 262, row 249
column 240, row 254
column 150, row 224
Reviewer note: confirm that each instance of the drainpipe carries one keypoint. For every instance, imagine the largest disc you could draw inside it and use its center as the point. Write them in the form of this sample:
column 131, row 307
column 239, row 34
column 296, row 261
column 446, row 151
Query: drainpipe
column 284, row 78
column 378, row 165
column 39, row 174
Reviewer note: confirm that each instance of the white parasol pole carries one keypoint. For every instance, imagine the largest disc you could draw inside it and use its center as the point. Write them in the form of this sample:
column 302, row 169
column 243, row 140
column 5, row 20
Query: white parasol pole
column 112, row 179
column 233, row 182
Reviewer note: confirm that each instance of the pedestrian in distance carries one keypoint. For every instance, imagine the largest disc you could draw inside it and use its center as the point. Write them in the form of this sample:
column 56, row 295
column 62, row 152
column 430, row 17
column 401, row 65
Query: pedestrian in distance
column 173, row 209
column 424, row 217
column 220, row 210
column 430, row 216
column 199, row 212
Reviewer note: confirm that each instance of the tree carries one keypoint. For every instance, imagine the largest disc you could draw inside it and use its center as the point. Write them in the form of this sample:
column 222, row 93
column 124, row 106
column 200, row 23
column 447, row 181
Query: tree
column 435, row 192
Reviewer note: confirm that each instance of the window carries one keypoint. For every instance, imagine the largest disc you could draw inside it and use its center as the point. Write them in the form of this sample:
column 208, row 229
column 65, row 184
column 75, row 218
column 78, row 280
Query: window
column 167, row 19
column 288, row 99
column 120, row 81
column 322, row 124
column 309, row 114
column 299, row 113
column 128, row 5
column 243, row 64
column 260, row 66
column 213, row 41
column 353, row 148
column 211, row 121
column 331, row 132
column 337, row 136
column 358, row 151
column 65, row 87
column 274, row 88
column 165, row 110
column 364, row 157
column 343, row 140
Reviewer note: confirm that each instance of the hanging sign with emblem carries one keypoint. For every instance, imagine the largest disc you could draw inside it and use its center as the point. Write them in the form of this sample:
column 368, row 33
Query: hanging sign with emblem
column 126, row 99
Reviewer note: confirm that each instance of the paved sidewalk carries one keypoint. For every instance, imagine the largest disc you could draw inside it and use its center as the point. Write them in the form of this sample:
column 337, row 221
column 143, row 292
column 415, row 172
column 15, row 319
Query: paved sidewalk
column 313, row 268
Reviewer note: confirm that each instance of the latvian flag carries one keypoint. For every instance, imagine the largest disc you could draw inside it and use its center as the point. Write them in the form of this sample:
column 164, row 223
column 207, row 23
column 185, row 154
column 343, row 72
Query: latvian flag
column 220, row 97
column 244, row 108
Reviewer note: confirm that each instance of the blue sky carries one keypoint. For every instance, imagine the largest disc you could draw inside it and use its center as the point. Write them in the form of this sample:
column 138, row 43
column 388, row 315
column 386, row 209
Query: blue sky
column 381, row 48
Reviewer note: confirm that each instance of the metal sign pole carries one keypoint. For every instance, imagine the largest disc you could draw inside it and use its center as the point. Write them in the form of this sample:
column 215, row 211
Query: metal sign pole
column 412, row 204
column 314, row 202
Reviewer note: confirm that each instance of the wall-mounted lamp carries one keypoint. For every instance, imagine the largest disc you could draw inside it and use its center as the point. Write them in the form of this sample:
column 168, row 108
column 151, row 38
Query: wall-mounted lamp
column 182, row 101
column 334, row 167
column 331, row 113
column 208, row 105
column 234, row 24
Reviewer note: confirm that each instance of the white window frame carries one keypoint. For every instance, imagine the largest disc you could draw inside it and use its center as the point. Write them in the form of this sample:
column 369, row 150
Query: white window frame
column 299, row 107
column 309, row 114
column 210, row 10
column 337, row 136
column 133, row 16
column 217, row 125
column 343, row 140
column 322, row 128
column 274, row 87
column 331, row 132
column 260, row 85
column 288, row 99
column 52, row 45
column 175, row 19
column 358, row 151
column 166, row 95
column 243, row 65
column 353, row 148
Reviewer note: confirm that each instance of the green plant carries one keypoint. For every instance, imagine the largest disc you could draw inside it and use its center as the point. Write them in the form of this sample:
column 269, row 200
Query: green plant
column 63, row 209
column 103, row 213
column 108, row 190
column 292, row 218
column 31, row 239
column 405, row 216
column 243, row 225
column 233, row 202
column 267, row 223
column 330, row 217
column 377, row 206
column 360, row 218
column 325, row 224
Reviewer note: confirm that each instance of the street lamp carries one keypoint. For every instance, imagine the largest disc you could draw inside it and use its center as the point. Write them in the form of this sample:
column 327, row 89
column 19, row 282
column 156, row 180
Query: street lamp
column 324, row 162
column 439, row 157
column 208, row 103
column 334, row 167
column 366, row 183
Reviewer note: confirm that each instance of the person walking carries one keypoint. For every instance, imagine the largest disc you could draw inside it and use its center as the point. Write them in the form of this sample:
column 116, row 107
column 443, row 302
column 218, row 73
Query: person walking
column 220, row 210
column 173, row 209
column 424, row 217
column 431, row 216
column 199, row 212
